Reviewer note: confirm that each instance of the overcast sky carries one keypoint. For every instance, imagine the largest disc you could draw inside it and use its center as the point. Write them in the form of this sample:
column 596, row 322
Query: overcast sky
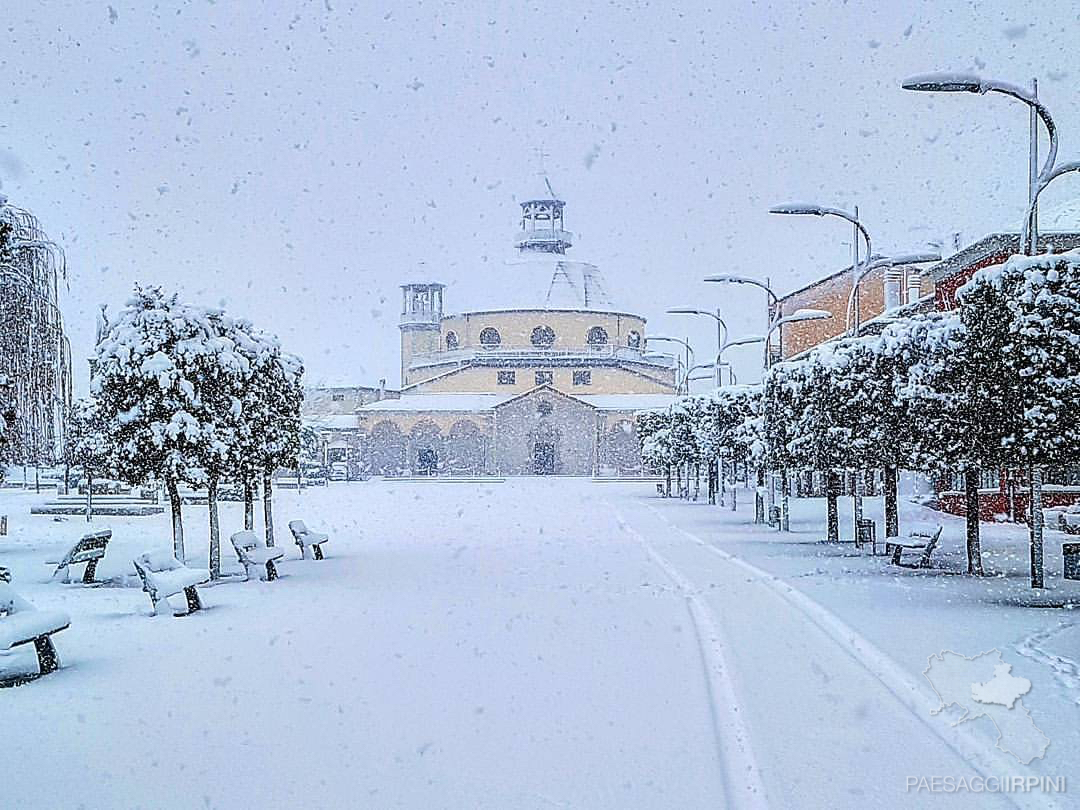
column 297, row 161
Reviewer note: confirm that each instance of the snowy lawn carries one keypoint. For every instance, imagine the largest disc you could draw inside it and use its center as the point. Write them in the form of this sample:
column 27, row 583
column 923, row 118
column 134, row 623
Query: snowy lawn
column 533, row 643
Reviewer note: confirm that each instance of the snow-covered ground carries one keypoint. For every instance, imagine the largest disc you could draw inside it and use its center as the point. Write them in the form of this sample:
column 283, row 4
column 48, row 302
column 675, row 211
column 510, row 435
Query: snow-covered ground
column 529, row 644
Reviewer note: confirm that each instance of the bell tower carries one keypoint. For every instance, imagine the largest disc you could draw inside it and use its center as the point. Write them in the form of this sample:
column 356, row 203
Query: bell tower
column 421, row 322
column 542, row 222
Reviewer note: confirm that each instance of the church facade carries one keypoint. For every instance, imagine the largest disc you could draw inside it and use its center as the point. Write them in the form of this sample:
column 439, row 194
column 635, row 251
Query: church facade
column 546, row 382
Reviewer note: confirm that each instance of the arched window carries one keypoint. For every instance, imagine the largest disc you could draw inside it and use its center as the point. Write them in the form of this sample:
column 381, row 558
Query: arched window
column 489, row 337
column 633, row 339
column 451, row 341
column 543, row 337
column 597, row 336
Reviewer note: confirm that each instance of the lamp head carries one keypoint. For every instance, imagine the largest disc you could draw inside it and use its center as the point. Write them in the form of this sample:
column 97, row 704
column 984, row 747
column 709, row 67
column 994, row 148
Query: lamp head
column 944, row 83
column 798, row 208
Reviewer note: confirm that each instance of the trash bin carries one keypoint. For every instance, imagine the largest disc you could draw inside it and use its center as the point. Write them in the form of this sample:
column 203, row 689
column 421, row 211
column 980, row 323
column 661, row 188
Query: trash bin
column 1071, row 553
column 866, row 533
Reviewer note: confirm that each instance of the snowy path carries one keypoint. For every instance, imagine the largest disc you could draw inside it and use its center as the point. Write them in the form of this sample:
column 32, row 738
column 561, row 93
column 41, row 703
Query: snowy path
column 531, row 644
column 826, row 732
column 465, row 646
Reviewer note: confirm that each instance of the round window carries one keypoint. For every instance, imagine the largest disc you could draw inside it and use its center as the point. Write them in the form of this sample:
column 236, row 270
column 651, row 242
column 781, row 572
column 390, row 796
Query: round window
column 451, row 341
column 633, row 339
column 489, row 337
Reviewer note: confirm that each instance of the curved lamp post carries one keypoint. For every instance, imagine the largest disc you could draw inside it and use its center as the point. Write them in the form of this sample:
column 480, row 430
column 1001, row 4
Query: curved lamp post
column 858, row 269
column 798, row 316
column 868, row 267
column 721, row 329
column 967, row 83
column 1064, row 168
column 681, row 342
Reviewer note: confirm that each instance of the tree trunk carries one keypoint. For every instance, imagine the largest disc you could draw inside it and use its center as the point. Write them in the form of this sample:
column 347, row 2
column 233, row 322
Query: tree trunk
column 249, row 505
column 856, row 501
column 720, row 484
column 177, row 519
column 89, row 496
column 710, row 478
column 832, row 513
column 268, row 510
column 697, row 481
column 759, row 502
column 1036, row 478
column 971, row 506
column 785, row 505
column 667, row 480
column 215, row 529
column 892, row 511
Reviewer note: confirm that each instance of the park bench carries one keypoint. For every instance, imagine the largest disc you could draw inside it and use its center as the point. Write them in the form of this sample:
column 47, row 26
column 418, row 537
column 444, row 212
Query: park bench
column 21, row 623
column 923, row 540
column 90, row 549
column 304, row 537
column 254, row 556
column 163, row 576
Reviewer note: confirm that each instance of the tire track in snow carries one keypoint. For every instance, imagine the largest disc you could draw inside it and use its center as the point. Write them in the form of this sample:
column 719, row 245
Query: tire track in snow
column 743, row 787
column 963, row 739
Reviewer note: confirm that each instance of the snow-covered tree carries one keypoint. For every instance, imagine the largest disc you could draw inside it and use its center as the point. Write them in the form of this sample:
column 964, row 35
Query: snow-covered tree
column 7, row 421
column 1023, row 325
column 152, row 388
column 86, row 447
column 807, row 422
column 271, row 434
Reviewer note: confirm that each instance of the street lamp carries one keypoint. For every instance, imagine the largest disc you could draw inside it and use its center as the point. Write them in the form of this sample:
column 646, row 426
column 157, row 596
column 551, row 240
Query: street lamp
column 721, row 330
column 852, row 319
column 1064, row 168
column 806, row 209
column 680, row 341
column 798, row 316
column 966, row 83
column 773, row 301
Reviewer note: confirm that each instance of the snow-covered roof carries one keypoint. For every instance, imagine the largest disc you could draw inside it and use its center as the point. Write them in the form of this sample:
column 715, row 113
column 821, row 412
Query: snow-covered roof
column 628, row 402
column 335, row 421
column 487, row 402
column 438, row 402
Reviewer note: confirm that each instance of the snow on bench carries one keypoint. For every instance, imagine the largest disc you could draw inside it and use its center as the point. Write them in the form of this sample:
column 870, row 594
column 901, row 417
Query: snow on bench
column 304, row 537
column 163, row 576
column 918, row 539
column 254, row 556
column 1062, row 519
column 22, row 623
column 90, row 549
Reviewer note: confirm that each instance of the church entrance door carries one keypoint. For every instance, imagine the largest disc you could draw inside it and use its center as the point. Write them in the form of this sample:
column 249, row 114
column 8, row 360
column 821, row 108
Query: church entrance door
column 544, row 458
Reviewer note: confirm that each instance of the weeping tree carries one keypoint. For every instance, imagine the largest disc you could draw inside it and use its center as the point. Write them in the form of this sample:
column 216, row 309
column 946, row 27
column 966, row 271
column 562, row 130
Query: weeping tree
column 35, row 357
column 7, row 420
column 151, row 386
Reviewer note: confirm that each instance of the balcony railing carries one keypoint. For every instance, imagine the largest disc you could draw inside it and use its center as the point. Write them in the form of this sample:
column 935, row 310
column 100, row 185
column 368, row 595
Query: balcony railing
column 543, row 235
column 550, row 355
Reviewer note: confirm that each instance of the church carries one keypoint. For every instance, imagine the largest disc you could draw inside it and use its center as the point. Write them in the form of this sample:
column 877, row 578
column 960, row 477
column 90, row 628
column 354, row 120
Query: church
column 543, row 379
